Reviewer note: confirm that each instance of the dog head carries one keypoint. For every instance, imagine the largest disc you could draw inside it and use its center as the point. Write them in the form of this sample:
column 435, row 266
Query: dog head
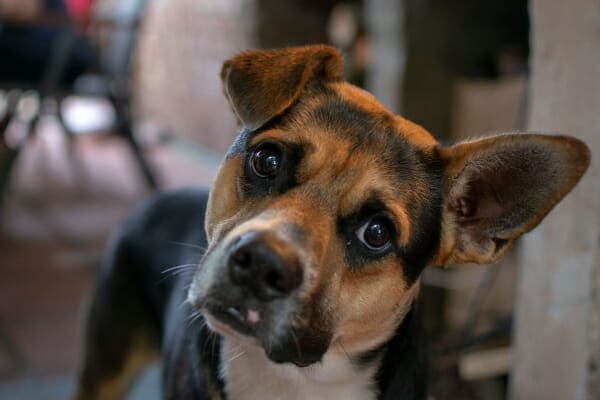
column 328, row 207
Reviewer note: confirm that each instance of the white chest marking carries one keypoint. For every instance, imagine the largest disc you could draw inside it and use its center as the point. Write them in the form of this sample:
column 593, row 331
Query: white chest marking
column 250, row 375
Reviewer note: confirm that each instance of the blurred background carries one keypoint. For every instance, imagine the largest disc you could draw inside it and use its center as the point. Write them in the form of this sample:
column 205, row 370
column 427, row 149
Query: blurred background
column 103, row 102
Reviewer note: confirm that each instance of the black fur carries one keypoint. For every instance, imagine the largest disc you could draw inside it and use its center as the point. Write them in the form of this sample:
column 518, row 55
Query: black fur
column 403, row 360
column 426, row 220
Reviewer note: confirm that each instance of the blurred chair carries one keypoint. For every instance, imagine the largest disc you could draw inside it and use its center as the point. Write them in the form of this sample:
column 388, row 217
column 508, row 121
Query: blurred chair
column 109, row 79
column 119, row 22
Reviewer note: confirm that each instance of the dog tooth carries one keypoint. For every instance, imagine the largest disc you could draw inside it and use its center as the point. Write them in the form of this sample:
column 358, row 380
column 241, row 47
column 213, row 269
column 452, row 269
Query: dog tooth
column 252, row 316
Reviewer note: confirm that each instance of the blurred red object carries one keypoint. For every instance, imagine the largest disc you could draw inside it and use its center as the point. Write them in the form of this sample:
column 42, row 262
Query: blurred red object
column 79, row 9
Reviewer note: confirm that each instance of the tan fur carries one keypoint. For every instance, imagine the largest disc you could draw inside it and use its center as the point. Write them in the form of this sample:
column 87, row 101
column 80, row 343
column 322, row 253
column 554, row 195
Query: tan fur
column 414, row 133
column 141, row 353
column 366, row 320
column 219, row 215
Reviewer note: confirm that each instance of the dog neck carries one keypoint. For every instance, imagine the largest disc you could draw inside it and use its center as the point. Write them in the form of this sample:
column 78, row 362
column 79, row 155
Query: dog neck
column 249, row 375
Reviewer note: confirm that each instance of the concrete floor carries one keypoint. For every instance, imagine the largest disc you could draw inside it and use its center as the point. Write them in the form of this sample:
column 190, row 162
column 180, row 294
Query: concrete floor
column 53, row 226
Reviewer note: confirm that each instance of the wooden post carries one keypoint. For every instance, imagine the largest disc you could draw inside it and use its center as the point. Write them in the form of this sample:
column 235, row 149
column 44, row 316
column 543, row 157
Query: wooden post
column 384, row 21
column 557, row 316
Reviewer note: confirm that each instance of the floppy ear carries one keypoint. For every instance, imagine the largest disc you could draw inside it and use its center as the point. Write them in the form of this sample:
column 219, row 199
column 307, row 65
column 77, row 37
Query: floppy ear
column 261, row 85
column 500, row 187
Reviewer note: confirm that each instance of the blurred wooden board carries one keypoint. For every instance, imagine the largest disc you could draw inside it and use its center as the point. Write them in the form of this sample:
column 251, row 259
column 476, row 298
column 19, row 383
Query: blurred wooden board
column 485, row 364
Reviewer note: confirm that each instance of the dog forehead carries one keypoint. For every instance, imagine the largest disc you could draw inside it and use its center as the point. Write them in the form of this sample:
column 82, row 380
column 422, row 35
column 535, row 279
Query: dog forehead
column 353, row 146
column 356, row 139
column 342, row 115
column 366, row 102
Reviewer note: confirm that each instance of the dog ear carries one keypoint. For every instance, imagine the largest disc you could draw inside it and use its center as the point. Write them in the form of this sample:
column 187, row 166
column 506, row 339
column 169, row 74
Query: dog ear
column 261, row 85
column 500, row 187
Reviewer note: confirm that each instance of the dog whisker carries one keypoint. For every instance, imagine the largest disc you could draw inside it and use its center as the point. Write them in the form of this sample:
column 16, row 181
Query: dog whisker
column 236, row 349
column 194, row 317
column 241, row 353
column 214, row 342
column 208, row 337
column 298, row 349
column 186, row 289
column 341, row 346
column 183, row 303
column 202, row 324
column 192, row 245
column 176, row 273
column 179, row 268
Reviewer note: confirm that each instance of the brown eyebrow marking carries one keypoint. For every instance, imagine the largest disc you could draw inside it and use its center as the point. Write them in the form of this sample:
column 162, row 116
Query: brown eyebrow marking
column 271, row 134
column 411, row 131
column 403, row 224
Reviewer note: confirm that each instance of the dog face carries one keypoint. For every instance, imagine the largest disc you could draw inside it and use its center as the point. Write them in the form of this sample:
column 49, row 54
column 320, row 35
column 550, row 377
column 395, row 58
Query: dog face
column 328, row 207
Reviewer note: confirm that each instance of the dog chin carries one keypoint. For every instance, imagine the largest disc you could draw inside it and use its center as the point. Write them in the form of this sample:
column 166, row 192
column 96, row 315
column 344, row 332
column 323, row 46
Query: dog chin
column 286, row 351
column 289, row 353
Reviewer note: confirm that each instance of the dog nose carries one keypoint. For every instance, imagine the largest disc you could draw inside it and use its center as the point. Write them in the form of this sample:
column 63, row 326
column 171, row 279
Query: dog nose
column 268, row 273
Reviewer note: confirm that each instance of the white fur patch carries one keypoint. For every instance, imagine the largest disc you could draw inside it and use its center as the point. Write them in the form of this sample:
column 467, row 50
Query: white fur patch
column 250, row 375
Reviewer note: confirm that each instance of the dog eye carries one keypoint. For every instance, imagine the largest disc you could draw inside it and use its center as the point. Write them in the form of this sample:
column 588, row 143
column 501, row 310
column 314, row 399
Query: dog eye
column 375, row 233
column 265, row 161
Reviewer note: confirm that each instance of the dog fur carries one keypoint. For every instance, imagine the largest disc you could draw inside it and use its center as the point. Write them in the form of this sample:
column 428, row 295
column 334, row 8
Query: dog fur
column 280, row 292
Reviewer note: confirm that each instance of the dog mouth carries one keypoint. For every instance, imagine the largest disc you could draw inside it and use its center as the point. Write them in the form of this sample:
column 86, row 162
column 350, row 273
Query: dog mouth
column 244, row 325
column 231, row 321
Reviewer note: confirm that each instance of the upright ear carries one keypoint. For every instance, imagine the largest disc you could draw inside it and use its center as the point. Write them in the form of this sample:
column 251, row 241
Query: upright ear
column 261, row 85
column 500, row 187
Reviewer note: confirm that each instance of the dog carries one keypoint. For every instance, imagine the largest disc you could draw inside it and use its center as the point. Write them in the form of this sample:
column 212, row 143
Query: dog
column 297, row 276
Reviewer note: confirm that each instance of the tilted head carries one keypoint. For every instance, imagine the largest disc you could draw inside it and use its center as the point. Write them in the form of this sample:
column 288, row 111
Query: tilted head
column 328, row 207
